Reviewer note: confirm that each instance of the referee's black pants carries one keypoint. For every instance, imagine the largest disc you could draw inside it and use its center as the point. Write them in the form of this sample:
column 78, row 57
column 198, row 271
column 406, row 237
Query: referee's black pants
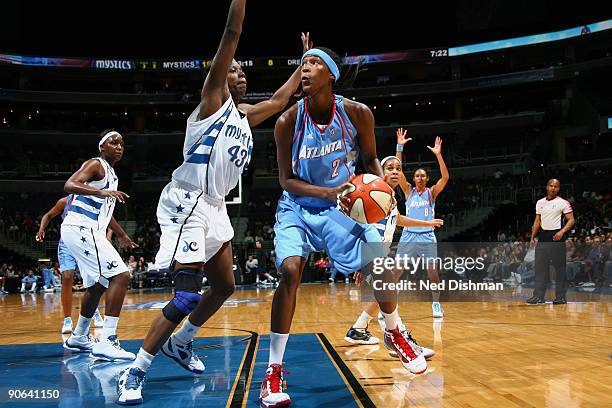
column 548, row 251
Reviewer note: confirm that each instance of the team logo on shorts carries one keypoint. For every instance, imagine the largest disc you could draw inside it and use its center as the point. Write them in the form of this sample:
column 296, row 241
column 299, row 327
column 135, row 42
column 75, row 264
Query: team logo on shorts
column 111, row 265
column 190, row 246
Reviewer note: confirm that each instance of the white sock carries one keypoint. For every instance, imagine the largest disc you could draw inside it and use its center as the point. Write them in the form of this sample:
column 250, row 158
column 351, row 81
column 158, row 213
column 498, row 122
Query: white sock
column 97, row 314
column 143, row 360
column 23, row 287
column 278, row 342
column 400, row 324
column 82, row 326
column 110, row 326
column 363, row 321
column 390, row 319
column 185, row 334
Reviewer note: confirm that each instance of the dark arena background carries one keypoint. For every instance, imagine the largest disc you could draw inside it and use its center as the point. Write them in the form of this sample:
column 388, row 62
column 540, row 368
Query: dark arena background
column 520, row 93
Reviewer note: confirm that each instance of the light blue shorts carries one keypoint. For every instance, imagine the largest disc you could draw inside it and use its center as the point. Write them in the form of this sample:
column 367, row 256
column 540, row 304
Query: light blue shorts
column 65, row 258
column 300, row 230
column 417, row 244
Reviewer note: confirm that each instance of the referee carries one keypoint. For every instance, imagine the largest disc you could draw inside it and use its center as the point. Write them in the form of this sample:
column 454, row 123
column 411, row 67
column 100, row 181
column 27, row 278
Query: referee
column 551, row 242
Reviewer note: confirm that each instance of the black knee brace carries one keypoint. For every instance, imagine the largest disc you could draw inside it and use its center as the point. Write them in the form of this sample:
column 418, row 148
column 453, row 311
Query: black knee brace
column 187, row 283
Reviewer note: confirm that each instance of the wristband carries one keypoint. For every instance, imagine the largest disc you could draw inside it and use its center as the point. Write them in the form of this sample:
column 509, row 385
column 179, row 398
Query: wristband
column 399, row 148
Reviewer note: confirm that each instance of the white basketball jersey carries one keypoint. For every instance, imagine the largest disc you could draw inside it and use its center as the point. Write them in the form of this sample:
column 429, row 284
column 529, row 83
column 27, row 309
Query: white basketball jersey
column 386, row 227
column 94, row 211
column 216, row 150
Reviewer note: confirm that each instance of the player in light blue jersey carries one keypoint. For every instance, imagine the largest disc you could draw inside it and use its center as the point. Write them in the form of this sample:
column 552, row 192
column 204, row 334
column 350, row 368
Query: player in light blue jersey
column 196, row 231
column 318, row 141
column 359, row 333
column 420, row 204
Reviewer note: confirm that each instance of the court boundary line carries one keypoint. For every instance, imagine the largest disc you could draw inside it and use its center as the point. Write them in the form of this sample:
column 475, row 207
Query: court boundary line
column 238, row 392
column 361, row 396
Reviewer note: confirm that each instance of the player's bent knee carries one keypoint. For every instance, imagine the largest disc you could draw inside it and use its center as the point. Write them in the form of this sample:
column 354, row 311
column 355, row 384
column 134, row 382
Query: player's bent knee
column 181, row 305
column 188, row 283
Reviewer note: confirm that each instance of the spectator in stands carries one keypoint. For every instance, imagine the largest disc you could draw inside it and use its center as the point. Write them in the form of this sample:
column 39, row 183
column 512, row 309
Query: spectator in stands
column 10, row 271
column 248, row 239
column 250, row 268
column 573, row 261
column 29, row 280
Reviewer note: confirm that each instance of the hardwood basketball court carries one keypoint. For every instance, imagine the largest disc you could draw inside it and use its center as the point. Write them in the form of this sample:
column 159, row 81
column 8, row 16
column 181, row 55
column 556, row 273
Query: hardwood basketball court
column 495, row 353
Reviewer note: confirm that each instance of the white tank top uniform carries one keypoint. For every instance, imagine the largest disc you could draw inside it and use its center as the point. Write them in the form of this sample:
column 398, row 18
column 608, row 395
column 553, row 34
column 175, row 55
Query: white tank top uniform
column 191, row 210
column 84, row 231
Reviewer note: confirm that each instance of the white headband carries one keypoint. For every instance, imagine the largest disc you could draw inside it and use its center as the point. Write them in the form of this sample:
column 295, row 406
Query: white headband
column 106, row 136
column 386, row 159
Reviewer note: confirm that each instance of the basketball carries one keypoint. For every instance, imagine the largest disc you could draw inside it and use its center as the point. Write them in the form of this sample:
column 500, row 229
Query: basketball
column 371, row 198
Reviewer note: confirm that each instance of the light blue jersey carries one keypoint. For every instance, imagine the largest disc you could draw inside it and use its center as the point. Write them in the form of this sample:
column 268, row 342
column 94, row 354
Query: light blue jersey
column 420, row 206
column 419, row 241
column 323, row 155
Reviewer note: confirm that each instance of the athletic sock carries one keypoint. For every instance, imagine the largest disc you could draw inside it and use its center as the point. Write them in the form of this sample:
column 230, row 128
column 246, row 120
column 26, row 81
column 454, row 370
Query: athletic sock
column 185, row 334
column 143, row 360
column 278, row 342
column 110, row 326
column 363, row 321
column 82, row 326
column 400, row 324
column 390, row 319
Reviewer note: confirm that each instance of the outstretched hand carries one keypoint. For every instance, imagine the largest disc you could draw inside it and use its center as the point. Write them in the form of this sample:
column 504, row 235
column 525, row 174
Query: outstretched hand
column 401, row 136
column 126, row 243
column 437, row 149
column 306, row 42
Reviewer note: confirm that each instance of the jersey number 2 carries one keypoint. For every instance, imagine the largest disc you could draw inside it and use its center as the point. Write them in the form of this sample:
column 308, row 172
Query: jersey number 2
column 335, row 166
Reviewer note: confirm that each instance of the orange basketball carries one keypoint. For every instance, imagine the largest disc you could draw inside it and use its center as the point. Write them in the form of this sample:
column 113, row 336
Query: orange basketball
column 371, row 198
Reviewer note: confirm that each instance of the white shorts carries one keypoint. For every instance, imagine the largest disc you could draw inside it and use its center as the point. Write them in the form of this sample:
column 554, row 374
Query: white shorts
column 193, row 225
column 97, row 259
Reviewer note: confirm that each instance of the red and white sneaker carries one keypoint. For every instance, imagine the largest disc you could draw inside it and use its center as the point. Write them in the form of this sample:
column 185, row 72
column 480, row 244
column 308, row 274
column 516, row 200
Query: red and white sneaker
column 271, row 394
column 411, row 359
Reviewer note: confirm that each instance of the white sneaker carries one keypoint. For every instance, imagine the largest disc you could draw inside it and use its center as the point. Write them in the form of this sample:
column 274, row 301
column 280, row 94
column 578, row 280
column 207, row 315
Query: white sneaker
column 183, row 354
column 271, row 392
column 437, row 310
column 80, row 344
column 129, row 386
column 110, row 350
column 98, row 321
column 411, row 358
column 426, row 352
column 346, row 280
column 67, row 326
column 49, row 289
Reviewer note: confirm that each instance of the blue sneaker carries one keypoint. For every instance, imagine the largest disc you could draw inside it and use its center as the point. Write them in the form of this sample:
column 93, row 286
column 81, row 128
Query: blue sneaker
column 130, row 385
